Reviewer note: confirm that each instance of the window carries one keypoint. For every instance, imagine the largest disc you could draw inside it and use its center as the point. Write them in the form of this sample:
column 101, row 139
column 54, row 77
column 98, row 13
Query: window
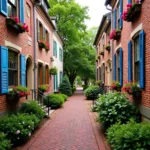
column 118, row 17
column 118, row 66
column 136, row 59
column 103, row 73
column 47, row 36
column 12, row 68
column 47, row 75
column 12, row 7
column 54, row 48
column 60, row 54
column 41, row 32
column 40, row 74
column 103, row 42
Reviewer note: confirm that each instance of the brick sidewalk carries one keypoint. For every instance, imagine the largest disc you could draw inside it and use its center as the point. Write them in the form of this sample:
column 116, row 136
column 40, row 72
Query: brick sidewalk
column 72, row 127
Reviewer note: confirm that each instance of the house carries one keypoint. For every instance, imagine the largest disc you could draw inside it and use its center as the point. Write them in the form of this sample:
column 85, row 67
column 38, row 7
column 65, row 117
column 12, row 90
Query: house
column 131, row 47
column 26, row 46
column 103, row 51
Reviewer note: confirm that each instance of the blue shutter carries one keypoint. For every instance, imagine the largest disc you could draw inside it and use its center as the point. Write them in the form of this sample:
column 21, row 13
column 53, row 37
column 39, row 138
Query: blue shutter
column 22, row 70
column 142, row 59
column 129, row 61
column 129, row 1
column 115, row 18
column 115, row 67
column 3, row 70
column 121, row 66
column 3, row 7
column 21, row 11
column 121, row 11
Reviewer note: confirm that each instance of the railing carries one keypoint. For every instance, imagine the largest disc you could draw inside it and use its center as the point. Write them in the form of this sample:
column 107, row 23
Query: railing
column 39, row 96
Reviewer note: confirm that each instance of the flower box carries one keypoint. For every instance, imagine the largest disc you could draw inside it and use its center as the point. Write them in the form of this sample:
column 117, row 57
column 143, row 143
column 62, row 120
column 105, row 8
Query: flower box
column 43, row 44
column 13, row 23
column 101, row 52
column 135, row 93
column 53, row 71
column 115, row 86
column 107, row 47
column 99, row 57
column 12, row 98
column 115, row 34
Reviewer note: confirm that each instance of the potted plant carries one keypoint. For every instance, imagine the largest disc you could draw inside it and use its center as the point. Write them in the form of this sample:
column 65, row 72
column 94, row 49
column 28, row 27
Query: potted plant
column 99, row 83
column 132, row 11
column 107, row 47
column 115, row 86
column 115, row 34
column 15, row 23
column 44, row 44
column 101, row 52
column 43, row 88
column 53, row 71
column 133, row 89
column 16, row 92
column 99, row 56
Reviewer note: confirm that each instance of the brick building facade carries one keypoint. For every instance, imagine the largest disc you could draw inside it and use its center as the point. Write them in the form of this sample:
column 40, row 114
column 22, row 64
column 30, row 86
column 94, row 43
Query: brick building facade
column 130, row 50
column 17, row 46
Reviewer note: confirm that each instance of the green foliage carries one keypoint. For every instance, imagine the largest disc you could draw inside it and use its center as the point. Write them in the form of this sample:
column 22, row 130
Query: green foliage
column 130, row 136
column 4, row 142
column 85, row 87
column 18, row 128
column 54, row 101
column 114, row 108
column 92, row 92
column 32, row 107
column 43, row 88
column 65, row 97
column 65, row 87
column 73, row 89
column 53, row 70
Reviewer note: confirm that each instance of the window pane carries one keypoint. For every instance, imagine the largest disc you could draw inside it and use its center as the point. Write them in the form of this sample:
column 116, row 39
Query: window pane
column 137, row 72
column 137, row 49
column 13, row 2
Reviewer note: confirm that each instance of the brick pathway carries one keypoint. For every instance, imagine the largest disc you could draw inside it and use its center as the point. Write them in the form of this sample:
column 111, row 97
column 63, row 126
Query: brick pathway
column 70, row 128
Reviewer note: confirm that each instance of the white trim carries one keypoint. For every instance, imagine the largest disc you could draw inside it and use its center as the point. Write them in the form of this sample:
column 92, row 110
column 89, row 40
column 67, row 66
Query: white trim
column 46, row 63
column 119, row 46
column 40, row 61
column 137, row 29
column 11, row 45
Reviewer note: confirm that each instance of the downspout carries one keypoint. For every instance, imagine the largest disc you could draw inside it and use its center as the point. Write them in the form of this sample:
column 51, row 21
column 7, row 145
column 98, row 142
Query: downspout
column 112, row 44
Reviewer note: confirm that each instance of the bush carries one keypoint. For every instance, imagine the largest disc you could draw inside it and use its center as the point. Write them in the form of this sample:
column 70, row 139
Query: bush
column 53, row 70
column 73, row 89
column 32, row 107
column 4, row 142
column 65, row 87
column 43, row 88
column 115, row 107
column 65, row 97
column 18, row 128
column 92, row 92
column 131, row 136
column 54, row 101
column 85, row 87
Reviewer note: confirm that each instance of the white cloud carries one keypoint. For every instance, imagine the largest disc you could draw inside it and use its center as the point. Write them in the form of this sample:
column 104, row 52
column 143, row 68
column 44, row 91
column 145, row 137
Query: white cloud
column 96, row 11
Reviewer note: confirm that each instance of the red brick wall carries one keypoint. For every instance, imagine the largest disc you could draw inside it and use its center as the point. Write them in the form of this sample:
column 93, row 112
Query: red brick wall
column 128, row 28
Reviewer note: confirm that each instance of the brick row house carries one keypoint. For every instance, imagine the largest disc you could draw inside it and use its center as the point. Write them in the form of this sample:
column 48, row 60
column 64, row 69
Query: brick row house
column 103, row 52
column 129, row 48
column 23, row 59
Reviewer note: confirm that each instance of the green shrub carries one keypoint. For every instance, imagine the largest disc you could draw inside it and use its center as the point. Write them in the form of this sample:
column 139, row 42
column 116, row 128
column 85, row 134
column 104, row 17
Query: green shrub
column 92, row 92
column 43, row 88
column 32, row 107
column 131, row 136
column 18, row 128
column 65, row 97
column 73, row 89
column 115, row 107
column 53, row 71
column 4, row 142
column 54, row 101
column 65, row 87
column 85, row 87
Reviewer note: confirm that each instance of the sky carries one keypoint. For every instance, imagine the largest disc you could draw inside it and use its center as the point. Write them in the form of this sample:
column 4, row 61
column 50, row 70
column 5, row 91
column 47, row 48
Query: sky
column 96, row 11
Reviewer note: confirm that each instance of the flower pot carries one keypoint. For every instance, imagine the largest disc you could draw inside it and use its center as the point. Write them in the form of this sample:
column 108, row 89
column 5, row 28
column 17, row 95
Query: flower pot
column 101, row 53
column 134, row 12
column 137, row 93
column 118, row 34
column 107, row 48
column 12, row 99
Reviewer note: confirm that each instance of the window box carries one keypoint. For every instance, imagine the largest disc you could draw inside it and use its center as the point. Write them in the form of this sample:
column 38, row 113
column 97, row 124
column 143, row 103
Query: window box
column 99, row 57
column 13, row 22
column 12, row 98
column 43, row 44
column 53, row 71
column 102, row 52
column 132, row 11
column 107, row 47
column 115, row 34
column 115, row 86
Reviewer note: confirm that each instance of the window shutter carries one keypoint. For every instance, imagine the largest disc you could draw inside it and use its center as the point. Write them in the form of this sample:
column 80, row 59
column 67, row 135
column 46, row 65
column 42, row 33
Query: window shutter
column 56, row 48
column 22, row 11
column 44, row 34
column 129, row 61
column 115, row 67
column 121, row 66
column 3, row 7
column 38, row 30
column 129, row 1
column 121, row 11
column 3, row 69
column 22, row 70
column 53, row 48
column 115, row 17
column 142, row 59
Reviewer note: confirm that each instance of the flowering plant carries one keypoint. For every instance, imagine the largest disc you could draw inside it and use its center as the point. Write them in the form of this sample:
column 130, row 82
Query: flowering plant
column 20, row 90
column 23, row 26
column 44, row 88
column 115, row 85
column 130, row 7
column 114, row 34
column 44, row 44
column 131, row 87
column 101, row 52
